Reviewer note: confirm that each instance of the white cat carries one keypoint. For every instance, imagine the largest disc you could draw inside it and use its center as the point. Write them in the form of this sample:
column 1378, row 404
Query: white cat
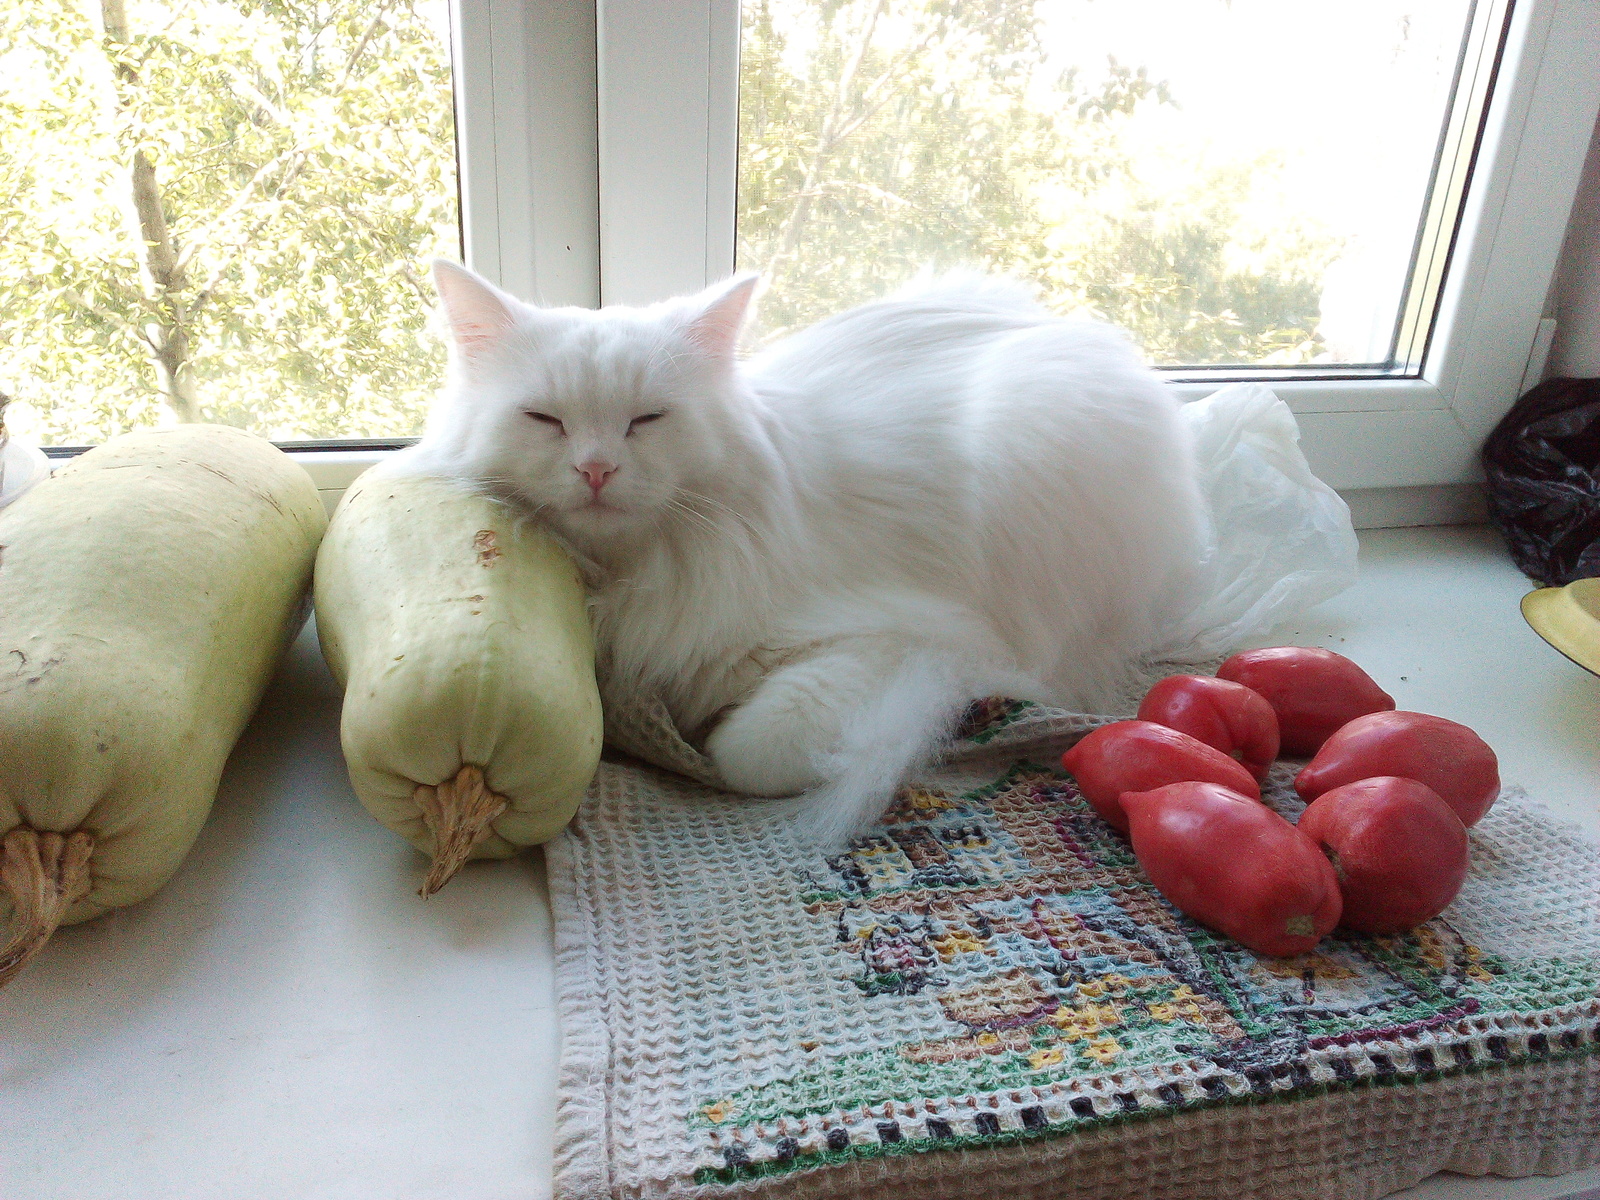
column 818, row 558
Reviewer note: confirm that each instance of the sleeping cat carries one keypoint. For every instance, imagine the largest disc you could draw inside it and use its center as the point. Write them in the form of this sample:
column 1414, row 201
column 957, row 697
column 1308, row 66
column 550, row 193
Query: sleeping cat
column 819, row 557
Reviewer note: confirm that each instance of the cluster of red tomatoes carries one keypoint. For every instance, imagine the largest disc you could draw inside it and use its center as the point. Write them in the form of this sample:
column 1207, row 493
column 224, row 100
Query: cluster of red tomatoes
column 1381, row 846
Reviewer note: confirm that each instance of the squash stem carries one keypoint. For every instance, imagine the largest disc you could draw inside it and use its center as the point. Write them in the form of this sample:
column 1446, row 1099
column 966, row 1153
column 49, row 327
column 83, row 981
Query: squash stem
column 457, row 812
column 45, row 874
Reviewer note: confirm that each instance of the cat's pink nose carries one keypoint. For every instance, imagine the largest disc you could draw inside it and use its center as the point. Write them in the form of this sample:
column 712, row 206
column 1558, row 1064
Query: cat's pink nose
column 597, row 473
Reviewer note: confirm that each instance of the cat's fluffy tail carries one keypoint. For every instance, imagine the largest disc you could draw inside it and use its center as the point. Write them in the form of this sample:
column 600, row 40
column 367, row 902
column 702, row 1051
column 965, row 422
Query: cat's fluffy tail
column 899, row 728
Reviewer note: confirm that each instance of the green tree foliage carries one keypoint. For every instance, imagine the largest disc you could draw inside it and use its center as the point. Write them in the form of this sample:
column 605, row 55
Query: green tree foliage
column 881, row 137
column 215, row 211
column 1172, row 272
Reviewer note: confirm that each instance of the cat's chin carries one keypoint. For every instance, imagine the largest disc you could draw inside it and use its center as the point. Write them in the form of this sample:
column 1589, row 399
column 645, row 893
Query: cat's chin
column 598, row 519
column 599, row 506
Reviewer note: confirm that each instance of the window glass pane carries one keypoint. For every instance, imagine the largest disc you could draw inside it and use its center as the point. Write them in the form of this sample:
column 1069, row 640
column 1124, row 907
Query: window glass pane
column 1234, row 181
column 215, row 211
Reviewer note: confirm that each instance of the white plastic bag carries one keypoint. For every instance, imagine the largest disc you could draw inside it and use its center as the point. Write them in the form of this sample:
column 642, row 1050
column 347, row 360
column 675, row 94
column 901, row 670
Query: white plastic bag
column 20, row 468
column 1280, row 539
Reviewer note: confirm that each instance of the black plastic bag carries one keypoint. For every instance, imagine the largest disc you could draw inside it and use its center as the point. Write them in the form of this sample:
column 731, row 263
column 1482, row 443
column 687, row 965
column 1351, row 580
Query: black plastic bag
column 1543, row 467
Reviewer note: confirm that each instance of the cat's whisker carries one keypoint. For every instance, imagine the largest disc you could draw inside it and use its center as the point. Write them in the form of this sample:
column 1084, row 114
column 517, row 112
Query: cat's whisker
column 677, row 506
column 758, row 534
column 662, row 355
column 751, row 543
column 751, row 547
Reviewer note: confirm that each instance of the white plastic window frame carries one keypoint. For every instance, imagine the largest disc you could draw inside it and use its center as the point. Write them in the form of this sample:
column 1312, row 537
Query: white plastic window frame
column 598, row 145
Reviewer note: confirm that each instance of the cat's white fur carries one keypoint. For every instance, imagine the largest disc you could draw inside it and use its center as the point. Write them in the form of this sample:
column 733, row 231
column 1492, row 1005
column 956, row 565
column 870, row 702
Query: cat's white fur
column 818, row 558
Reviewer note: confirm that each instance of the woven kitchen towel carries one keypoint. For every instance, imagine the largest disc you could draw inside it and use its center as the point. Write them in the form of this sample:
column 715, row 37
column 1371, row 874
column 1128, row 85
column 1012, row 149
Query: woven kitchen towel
column 986, row 998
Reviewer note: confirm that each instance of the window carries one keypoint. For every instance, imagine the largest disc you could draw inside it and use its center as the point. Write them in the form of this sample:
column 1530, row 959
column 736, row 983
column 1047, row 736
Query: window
column 601, row 159
column 222, row 210
column 1460, row 342
column 1196, row 171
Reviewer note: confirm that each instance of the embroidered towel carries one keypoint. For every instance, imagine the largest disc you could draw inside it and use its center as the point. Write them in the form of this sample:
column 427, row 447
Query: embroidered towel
column 985, row 997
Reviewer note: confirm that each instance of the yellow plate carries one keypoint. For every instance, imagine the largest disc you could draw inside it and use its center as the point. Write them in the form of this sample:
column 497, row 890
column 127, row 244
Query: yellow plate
column 1569, row 619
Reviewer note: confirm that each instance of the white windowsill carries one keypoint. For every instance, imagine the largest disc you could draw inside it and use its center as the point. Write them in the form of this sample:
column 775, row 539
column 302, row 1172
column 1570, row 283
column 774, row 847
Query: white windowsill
column 287, row 1018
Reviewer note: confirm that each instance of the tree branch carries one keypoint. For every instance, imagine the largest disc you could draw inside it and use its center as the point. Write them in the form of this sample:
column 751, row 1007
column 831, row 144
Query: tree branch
column 161, row 254
column 361, row 45
column 295, row 156
column 827, row 139
column 244, row 86
column 424, row 293
column 166, row 336
column 240, row 201
column 227, row 256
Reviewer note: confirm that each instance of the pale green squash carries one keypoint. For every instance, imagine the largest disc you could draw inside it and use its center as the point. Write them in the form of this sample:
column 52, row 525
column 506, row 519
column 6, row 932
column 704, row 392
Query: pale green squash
column 471, row 722
column 147, row 591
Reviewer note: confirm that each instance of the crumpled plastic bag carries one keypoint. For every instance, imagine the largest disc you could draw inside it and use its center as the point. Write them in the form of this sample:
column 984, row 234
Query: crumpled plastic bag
column 20, row 466
column 1543, row 467
column 1280, row 540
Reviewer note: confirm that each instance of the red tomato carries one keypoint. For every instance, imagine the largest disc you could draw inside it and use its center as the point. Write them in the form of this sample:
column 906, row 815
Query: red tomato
column 1449, row 758
column 1235, row 865
column 1314, row 692
column 1224, row 715
column 1135, row 756
column 1399, row 851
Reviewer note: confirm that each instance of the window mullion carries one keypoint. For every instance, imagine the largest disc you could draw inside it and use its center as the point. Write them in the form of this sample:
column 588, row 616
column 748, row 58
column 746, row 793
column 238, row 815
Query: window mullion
column 526, row 102
column 668, row 143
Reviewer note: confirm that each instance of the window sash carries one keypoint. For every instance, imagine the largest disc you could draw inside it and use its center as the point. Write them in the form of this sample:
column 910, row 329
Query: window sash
column 526, row 120
column 668, row 76
column 526, row 102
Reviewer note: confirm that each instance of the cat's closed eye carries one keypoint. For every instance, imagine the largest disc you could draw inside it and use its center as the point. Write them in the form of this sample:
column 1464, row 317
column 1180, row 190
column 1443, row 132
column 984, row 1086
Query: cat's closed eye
column 547, row 419
column 644, row 420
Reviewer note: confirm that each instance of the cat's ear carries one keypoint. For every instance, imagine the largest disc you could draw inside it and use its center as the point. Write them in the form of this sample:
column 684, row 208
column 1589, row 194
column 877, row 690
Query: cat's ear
column 478, row 313
column 717, row 314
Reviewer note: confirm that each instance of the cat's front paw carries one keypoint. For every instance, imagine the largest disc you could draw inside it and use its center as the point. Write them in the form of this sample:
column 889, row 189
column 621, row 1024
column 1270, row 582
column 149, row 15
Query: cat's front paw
column 758, row 756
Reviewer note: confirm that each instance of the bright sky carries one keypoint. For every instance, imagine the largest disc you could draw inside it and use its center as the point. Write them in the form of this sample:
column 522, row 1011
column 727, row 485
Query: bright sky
column 1351, row 94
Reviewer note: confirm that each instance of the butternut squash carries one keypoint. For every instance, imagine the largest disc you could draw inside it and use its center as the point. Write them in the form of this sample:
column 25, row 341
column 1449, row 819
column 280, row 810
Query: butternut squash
column 147, row 590
column 471, row 721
